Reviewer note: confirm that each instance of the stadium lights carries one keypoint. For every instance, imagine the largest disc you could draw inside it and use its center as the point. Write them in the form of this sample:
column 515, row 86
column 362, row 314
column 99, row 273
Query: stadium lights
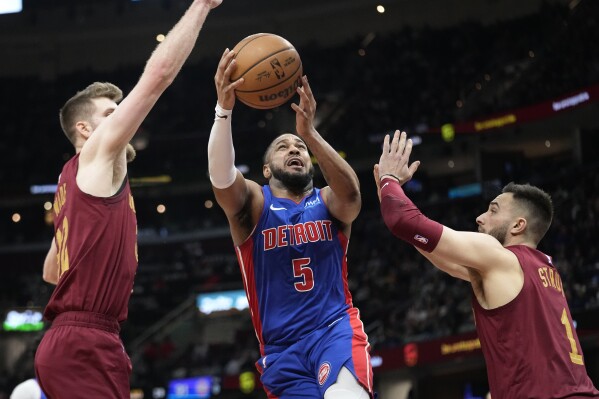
column 11, row 6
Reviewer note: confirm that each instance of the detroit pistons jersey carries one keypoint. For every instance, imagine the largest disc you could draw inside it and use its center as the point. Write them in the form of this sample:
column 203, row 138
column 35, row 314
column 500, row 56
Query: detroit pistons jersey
column 294, row 269
column 530, row 344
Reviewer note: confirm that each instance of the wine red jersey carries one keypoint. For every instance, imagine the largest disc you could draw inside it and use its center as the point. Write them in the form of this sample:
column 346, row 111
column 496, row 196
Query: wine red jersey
column 96, row 240
column 530, row 344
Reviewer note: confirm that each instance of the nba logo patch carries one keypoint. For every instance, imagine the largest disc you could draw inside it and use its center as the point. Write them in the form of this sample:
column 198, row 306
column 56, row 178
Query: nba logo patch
column 421, row 239
column 323, row 372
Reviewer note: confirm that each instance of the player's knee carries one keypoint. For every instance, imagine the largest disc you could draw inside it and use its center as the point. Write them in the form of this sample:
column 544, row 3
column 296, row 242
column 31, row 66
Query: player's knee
column 346, row 387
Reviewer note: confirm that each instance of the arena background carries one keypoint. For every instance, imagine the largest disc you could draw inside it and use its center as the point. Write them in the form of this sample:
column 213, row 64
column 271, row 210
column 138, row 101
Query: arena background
column 492, row 91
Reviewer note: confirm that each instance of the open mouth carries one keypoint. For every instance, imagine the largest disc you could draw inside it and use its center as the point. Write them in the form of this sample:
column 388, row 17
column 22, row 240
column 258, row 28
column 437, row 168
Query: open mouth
column 295, row 162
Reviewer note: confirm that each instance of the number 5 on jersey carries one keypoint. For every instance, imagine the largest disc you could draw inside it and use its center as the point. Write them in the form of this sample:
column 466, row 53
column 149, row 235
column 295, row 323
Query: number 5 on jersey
column 303, row 271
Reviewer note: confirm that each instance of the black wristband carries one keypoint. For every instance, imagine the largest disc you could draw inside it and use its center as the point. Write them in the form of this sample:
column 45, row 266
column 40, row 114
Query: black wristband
column 391, row 175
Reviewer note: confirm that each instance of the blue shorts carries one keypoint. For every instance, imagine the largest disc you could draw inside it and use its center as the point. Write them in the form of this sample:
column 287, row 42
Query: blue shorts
column 307, row 368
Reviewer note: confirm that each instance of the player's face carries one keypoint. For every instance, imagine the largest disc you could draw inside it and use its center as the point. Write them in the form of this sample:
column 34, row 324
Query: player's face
column 289, row 162
column 497, row 219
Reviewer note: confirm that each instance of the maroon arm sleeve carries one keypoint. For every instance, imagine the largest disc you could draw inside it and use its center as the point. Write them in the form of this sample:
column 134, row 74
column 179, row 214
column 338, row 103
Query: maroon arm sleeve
column 405, row 220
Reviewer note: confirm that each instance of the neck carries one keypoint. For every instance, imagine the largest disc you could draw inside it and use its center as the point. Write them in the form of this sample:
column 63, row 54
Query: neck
column 519, row 241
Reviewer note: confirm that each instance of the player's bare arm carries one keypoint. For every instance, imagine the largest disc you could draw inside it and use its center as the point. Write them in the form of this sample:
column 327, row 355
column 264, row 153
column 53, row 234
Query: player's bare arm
column 342, row 195
column 50, row 272
column 474, row 250
column 242, row 215
column 240, row 199
column 103, row 152
column 453, row 269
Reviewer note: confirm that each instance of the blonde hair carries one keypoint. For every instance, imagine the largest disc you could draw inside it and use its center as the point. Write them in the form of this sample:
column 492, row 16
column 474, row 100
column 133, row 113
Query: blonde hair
column 80, row 107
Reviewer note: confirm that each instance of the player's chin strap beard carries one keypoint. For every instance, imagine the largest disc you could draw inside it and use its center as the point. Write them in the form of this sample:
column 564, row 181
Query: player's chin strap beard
column 297, row 183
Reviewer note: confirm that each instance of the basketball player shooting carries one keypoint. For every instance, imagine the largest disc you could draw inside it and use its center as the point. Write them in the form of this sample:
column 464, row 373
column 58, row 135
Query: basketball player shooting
column 291, row 242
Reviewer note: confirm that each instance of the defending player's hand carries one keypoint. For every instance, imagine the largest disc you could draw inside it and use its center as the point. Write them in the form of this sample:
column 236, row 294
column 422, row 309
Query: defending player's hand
column 395, row 158
column 225, row 89
column 305, row 111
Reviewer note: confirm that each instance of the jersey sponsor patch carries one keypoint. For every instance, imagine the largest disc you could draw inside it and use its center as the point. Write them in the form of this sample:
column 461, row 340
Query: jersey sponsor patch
column 312, row 203
column 323, row 372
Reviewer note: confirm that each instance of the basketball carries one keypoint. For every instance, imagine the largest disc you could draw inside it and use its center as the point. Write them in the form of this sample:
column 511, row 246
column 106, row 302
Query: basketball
column 271, row 68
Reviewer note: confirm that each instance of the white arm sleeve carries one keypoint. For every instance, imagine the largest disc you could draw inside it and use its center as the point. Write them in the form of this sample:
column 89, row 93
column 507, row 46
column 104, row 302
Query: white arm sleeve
column 221, row 154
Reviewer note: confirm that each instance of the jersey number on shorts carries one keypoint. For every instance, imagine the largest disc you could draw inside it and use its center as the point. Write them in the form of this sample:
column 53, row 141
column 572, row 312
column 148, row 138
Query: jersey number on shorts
column 301, row 269
column 575, row 357
column 62, row 234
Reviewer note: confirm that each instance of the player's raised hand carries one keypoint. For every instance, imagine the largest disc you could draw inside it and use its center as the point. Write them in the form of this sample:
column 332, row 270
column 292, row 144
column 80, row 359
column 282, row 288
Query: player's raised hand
column 305, row 111
column 225, row 89
column 395, row 158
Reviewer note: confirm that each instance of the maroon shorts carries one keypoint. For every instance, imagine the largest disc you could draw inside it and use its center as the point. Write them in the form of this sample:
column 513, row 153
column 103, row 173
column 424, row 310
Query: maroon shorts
column 82, row 356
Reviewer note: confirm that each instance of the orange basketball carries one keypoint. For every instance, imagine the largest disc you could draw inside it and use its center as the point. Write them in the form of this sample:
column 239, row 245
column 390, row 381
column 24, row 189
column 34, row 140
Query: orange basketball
column 271, row 68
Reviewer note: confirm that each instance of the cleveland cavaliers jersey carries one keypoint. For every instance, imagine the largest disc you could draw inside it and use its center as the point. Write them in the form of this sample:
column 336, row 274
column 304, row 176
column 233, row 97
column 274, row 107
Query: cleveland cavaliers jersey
column 96, row 240
column 294, row 269
column 530, row 344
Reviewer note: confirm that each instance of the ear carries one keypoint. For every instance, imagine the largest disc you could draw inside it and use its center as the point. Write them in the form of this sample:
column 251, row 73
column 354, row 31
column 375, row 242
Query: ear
column 84, row 129
column 519, row 226
column 266, row 172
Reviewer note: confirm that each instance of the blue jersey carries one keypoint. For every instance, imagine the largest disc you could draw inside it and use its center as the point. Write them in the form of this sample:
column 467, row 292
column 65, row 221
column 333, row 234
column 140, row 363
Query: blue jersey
column 294, row 269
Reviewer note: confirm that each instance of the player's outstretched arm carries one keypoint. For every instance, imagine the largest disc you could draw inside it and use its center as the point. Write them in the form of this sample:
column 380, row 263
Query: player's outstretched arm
column 453, row 269
column 240, row 199
column 343, row 192
column 50, row 273
column 449, row 248
column 161, row 69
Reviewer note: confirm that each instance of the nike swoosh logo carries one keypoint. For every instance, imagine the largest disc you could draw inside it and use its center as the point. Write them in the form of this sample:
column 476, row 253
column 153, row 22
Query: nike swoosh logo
column 384, row 185
column 272, row 207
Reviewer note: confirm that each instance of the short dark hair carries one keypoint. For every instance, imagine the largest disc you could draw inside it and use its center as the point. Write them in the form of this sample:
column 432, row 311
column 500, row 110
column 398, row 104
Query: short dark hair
column 537, row 203
column 80, row 105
